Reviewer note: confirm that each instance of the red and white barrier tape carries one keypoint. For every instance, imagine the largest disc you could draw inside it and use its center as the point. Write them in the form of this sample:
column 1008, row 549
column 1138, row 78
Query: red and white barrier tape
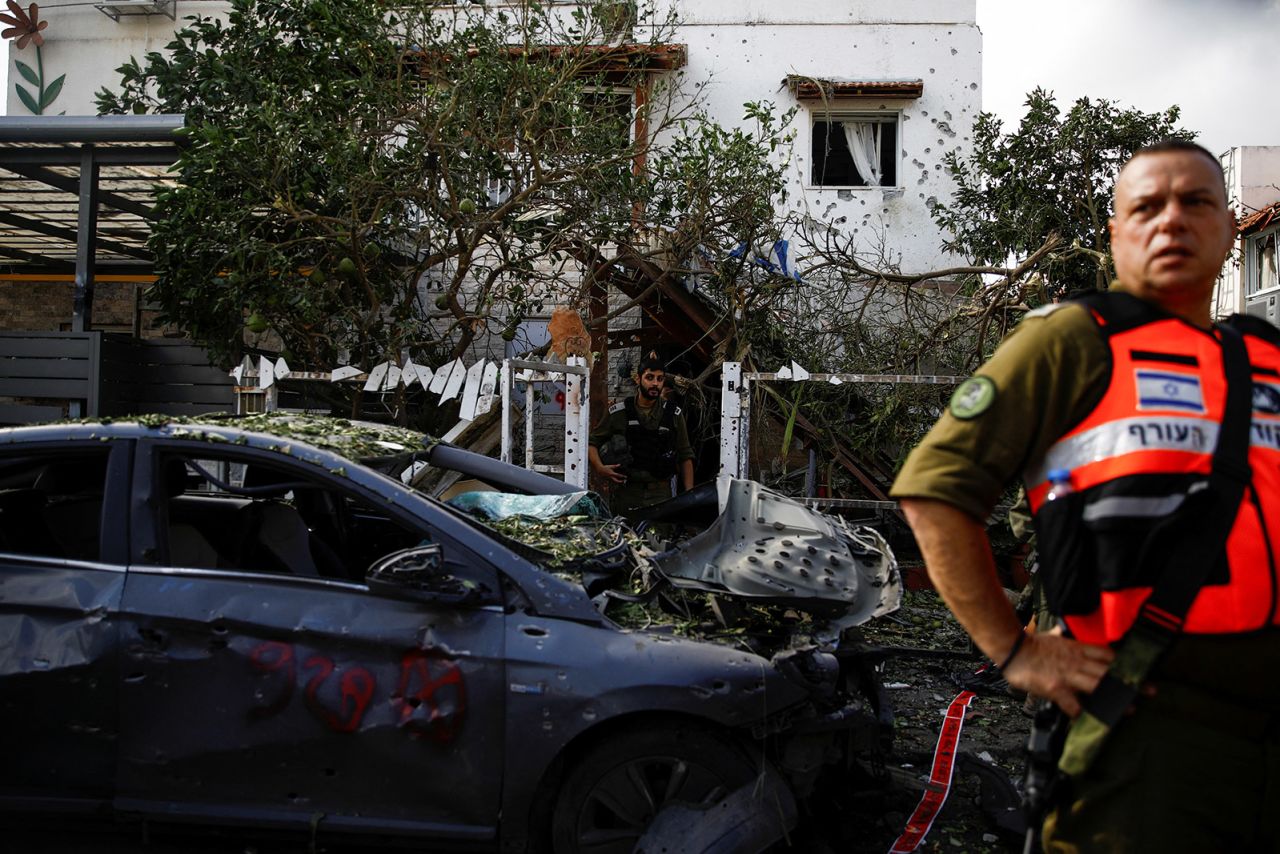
column 944, row 761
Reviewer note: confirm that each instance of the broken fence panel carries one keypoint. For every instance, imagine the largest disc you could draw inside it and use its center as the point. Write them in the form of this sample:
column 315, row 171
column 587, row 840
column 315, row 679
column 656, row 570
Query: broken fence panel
column 441, row 377
column 471, row 391
column 488, row 389
column 453, row 385
column 577, row 413
column 376, row 377
column 266, row 373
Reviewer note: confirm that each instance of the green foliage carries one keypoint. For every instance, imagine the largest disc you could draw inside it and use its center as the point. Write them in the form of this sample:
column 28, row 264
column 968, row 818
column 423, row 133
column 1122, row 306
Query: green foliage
column 1040, row 195
column 1052, row 176
column 342, row 157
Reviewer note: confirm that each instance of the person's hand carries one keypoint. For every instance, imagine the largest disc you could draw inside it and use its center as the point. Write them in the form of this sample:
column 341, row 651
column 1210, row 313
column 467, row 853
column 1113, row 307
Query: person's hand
column 612, row 473
column 1059, row 668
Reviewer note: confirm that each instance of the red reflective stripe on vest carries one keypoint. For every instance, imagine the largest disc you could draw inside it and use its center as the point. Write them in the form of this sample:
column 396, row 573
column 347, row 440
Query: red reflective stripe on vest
column 1159, row 415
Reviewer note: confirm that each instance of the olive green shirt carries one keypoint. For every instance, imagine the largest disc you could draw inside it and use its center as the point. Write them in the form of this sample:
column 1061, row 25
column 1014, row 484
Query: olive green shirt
column 1048, row 374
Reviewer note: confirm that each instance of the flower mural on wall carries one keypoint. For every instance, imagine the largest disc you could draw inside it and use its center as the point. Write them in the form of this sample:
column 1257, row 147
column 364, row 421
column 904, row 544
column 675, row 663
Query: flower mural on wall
column 25, row 28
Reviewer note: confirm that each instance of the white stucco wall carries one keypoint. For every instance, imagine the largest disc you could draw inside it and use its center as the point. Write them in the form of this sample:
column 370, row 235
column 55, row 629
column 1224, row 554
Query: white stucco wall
column 745, row 49
column 1253, row 176
column 1253, row 181
column 88, row 47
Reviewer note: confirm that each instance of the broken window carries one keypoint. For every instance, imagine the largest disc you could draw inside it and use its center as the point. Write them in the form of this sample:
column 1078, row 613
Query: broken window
column 855, row 150
column 223, row 513
column 1263, row 270
column 51, row 504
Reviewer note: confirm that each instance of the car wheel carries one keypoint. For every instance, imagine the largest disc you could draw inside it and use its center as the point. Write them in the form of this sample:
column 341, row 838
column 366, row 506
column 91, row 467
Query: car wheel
column 611, row 795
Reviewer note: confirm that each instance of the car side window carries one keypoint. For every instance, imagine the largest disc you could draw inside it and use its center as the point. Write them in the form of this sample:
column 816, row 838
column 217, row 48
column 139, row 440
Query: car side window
column 248, row 515
column 51, row 503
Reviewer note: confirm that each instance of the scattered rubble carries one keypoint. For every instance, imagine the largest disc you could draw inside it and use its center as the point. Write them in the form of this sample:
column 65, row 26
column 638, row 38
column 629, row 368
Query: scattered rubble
column 995, row 730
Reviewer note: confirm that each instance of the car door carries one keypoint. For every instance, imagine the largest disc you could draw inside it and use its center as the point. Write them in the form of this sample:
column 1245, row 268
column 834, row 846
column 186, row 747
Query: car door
column 282, row 691
column 63, row 518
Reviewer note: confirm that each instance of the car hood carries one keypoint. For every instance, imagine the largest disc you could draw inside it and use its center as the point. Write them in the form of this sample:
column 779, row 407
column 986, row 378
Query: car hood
column 767, row 548
column 764, row 549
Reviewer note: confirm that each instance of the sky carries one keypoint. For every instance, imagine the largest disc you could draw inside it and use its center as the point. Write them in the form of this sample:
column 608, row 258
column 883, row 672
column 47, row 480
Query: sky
column 1213, row 58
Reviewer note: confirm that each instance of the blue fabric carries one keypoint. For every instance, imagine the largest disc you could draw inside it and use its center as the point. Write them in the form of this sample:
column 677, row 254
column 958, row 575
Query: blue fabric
column 503, row 505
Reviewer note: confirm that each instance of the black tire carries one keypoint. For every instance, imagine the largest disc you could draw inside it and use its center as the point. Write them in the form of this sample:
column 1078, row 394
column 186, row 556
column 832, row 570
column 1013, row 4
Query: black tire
column 609, row 797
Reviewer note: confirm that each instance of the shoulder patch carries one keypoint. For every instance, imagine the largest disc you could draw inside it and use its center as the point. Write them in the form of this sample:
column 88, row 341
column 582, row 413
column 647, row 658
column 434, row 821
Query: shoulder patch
column 618, row 407
column 973, row 397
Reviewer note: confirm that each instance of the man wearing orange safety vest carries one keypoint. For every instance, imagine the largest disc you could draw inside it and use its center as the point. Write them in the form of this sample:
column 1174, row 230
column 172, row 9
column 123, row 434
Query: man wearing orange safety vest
column 1123, row 396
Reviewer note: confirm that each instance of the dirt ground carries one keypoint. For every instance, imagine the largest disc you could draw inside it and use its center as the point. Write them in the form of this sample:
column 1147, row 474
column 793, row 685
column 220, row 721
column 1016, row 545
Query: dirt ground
column 921, row 688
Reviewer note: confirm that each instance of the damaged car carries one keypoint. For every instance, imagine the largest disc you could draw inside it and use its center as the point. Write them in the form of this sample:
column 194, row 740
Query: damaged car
column 352, row 630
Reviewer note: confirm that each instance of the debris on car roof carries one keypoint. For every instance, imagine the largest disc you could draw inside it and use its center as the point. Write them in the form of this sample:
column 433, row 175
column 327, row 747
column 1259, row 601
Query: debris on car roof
column 356, row 440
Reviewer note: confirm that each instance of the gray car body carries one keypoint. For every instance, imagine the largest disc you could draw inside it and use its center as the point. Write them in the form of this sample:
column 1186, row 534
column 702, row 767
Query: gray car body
column 567, row 675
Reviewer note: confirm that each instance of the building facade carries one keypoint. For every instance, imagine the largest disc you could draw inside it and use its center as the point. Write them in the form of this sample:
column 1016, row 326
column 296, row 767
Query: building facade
column 1249, row 282
column 884, row 91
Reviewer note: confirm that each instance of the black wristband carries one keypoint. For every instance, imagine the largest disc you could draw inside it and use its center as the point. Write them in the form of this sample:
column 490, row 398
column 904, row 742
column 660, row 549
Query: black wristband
column 1017, row 645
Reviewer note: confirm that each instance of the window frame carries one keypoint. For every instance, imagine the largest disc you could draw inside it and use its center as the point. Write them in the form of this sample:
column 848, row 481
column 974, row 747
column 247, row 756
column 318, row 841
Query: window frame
column 113, row 531
column 829, row 115
column 147, row 538
column 1252, row 272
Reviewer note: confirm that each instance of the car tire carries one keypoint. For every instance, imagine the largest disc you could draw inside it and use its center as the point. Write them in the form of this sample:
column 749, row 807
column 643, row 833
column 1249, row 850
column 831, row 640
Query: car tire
column 609, row 797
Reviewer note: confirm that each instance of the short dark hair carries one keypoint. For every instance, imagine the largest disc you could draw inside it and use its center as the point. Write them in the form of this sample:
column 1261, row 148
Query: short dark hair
column 650, row 362
column 1176, row 145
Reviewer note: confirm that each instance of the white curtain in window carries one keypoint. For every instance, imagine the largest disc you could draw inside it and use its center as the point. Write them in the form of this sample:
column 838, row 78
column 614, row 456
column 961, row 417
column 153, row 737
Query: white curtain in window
column 863, row 139
column 1267, row 267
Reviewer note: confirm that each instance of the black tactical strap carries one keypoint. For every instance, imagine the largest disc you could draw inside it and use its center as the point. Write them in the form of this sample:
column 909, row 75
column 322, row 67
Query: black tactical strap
column 1161, row 617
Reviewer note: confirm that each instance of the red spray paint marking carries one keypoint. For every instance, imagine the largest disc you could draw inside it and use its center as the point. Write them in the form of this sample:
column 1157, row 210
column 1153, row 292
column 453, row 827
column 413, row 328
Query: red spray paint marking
column 431, row 696
column 355, row 690
column 420, row 708
column 274, row 657
column 944, row 761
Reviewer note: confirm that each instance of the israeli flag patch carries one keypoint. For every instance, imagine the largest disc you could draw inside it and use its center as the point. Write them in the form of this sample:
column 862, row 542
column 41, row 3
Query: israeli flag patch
column 1164, row 390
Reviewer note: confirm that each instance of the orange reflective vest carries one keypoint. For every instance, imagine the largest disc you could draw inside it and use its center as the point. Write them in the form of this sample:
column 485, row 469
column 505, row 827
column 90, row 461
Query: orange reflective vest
column 1138, row 461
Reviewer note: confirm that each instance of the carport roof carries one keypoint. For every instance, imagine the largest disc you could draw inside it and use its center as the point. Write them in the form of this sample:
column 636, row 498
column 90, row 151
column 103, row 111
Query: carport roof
column 53, row 167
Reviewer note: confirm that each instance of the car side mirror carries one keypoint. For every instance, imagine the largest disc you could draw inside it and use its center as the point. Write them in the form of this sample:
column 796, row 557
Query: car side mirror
column 419, row 573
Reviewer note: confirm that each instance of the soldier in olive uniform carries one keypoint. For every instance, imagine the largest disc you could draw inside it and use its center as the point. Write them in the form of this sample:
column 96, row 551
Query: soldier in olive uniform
column 1195, row 765
column 644, row 441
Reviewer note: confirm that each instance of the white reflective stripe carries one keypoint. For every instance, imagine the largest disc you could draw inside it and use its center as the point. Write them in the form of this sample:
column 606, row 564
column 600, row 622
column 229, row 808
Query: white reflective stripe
column 1125, row 436
column 1265, row 434
column 1132, row 506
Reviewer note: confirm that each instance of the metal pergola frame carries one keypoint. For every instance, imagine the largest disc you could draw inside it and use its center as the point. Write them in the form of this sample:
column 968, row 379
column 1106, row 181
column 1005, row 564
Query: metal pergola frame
column 104, row 170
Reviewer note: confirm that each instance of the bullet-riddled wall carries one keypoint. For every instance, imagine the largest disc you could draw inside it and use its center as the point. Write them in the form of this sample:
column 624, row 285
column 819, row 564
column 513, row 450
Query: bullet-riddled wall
column 742, row 51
